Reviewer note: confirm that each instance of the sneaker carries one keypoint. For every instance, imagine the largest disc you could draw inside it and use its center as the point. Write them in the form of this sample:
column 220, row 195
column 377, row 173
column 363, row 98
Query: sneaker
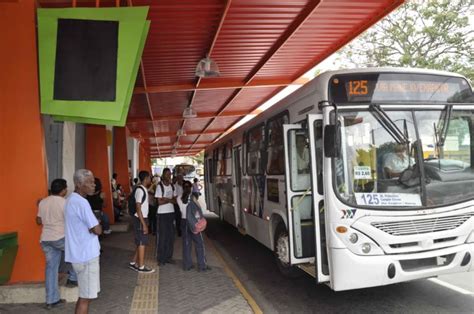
column 171, row 261
column 108, row 231
column 55, row 304
column 133, row 266
column 71, row 283
column 207, row 268
column 145, row 270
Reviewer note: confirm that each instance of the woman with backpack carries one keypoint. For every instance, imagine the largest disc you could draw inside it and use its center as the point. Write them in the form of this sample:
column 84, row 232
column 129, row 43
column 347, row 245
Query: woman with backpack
column 192, row 225
column 97, row 202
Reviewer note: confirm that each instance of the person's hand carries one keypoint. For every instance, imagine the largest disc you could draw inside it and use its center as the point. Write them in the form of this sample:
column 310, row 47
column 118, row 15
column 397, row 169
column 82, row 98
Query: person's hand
column 145, row 229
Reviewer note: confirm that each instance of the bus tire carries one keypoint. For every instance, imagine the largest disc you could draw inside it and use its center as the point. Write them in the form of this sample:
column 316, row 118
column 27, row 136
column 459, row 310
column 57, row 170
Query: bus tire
column 282, row 255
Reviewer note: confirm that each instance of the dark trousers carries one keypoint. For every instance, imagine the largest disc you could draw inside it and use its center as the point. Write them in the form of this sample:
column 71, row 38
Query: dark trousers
column 177, row 219
column 152, row 219
column 165, row 237
column 188, row 239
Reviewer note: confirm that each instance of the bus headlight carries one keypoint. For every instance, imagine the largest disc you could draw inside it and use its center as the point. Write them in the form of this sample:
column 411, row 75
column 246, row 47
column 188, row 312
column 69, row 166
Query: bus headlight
column 358, row 243
column 470, row 238
column 353, row 237
column 366, row 248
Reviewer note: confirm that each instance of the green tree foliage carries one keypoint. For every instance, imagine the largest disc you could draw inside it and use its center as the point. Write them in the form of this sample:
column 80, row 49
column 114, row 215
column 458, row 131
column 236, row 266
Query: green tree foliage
column 429, row 34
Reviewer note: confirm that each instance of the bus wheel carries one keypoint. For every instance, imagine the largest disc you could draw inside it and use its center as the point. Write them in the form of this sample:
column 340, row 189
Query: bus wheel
column 282, row 254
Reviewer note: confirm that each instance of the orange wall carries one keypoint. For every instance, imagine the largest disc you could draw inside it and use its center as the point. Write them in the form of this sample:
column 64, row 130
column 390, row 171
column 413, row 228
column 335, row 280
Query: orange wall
column 97, row 161
column 121, row 157
column 22, row 157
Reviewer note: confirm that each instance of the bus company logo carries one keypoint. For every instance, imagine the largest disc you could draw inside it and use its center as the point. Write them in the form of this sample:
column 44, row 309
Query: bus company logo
column 348, row 213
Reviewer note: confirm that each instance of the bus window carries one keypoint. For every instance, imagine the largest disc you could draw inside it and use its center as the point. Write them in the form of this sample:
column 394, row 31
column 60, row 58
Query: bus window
column 276, row 164
column 220, row 161
column 299, row 160
column 228, row 158
column 318, row 136
column 255, row 150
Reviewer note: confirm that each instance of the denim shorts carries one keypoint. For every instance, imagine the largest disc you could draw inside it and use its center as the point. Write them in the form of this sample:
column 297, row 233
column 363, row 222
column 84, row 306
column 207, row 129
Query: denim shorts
column 140, row 237
column 88, row 278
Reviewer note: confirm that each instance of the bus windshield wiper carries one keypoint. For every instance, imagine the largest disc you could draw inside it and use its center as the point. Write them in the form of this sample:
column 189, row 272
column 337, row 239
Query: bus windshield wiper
column 443, row 125
column 381, row 116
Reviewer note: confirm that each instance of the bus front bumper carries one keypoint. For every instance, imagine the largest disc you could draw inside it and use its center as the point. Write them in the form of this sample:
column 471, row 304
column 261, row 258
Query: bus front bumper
column 351, row 271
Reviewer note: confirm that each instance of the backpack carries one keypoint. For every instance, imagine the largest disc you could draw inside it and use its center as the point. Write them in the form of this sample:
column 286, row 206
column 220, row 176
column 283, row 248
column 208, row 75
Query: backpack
column 132, row 203
column 163, row 188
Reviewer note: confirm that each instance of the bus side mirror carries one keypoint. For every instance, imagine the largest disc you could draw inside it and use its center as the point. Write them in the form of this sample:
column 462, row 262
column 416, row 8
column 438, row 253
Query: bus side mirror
column 332, row 140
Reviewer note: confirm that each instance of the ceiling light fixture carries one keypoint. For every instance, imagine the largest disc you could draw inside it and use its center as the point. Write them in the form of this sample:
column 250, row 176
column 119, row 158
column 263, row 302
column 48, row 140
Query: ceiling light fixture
column 189, row 113
column 181, row 132
column 207, row 67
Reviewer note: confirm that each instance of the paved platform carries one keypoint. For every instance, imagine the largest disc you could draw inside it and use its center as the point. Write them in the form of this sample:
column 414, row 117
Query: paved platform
column 169, row 290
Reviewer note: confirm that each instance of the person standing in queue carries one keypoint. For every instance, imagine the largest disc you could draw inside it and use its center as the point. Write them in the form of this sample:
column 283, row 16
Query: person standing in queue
column 166, row 197
column 140, row 223
column 82, row 231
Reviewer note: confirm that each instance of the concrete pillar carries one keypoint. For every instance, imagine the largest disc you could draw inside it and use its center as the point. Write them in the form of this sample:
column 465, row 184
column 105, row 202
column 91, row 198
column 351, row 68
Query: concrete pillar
column 22, row 158
column 121, row 158
column 97, row 160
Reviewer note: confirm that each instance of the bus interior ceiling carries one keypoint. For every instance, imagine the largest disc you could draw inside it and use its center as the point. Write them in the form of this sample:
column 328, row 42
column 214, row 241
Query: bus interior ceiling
column 260, row 47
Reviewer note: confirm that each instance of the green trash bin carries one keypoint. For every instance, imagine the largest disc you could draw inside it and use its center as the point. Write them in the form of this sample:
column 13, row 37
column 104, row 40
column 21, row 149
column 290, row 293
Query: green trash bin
column 8, row 250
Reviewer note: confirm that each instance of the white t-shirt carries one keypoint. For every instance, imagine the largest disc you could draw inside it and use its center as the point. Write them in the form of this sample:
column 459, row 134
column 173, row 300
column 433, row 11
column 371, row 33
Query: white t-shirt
column 178, row 189
column 167, row 193
column 138, row 199
column 182, row 207
column 51, row 212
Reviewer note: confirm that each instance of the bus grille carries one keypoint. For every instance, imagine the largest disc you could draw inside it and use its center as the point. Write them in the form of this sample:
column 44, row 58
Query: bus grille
column 419, row 226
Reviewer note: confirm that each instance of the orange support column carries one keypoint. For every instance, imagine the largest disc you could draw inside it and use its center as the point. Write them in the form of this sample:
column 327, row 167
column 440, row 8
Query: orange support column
column 97, row 160
column 22, row 157
column 121, row 158
column 144, row 162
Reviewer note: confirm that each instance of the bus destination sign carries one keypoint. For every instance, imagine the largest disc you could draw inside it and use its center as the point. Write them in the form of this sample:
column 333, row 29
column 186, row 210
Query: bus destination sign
column 397, row 87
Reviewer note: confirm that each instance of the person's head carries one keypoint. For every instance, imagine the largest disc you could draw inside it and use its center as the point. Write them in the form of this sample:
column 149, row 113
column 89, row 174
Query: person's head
column 59, row 187
column 400, row 149
column 166, row 175
column 144, row 177
column 135, row 181
column 98, row 185
column 187, row 189
column 196, row 180
column 114, row 176
column 300, row 142
column 84, row 182
column 180, row 179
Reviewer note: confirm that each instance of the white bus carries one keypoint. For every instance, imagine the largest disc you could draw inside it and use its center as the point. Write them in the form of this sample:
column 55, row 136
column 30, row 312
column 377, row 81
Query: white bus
column 361, row 177
column 188, row 171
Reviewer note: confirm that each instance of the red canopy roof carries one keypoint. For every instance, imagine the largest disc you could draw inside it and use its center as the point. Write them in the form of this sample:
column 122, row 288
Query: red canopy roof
column 260, row 46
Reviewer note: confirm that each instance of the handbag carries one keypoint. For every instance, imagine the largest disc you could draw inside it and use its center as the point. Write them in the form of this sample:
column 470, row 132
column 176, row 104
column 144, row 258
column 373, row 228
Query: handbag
column 200, row 225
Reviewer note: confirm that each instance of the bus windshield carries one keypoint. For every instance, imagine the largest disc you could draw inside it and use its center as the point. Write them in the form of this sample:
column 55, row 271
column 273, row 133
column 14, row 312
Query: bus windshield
column 405, row 158
column 187, row 171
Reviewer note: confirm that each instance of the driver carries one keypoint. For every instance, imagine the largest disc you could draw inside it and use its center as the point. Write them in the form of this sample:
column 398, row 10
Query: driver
column 394, row 163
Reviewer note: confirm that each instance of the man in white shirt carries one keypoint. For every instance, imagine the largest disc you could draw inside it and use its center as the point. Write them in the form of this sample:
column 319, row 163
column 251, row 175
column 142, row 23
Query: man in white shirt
column 51, row 217
column 140, row 223
column 166, row 195
column 82, row 239
column 395, row 163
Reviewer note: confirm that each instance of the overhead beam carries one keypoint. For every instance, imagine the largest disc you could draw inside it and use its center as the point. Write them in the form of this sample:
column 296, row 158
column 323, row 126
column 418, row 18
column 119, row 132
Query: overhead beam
column 170, row 134
column 202, row 115
column 287, row 35
column 217, row 85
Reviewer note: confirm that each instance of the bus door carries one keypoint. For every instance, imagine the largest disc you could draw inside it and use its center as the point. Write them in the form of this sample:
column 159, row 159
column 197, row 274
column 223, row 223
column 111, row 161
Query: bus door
column 315, row 132
column 301, row 223
column 236, row 185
